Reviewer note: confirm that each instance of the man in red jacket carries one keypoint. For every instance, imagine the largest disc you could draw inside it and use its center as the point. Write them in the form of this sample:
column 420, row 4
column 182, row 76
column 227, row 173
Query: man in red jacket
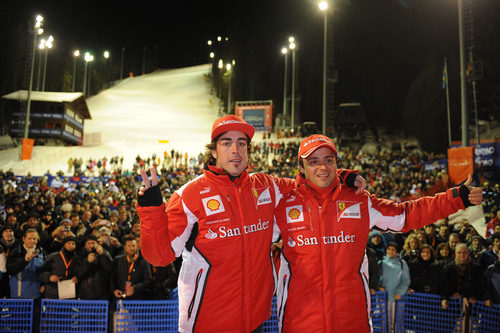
column 222, row 224
column 323, row 278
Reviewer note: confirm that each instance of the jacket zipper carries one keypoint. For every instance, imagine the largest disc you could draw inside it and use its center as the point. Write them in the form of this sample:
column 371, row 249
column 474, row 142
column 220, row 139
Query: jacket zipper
column 191, row 305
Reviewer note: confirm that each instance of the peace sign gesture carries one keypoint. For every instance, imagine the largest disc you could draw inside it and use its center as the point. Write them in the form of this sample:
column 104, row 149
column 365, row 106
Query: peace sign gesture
column 147, row 181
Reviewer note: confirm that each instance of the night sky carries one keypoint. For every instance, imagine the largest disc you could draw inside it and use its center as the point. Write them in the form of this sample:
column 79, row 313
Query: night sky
column 380, row 45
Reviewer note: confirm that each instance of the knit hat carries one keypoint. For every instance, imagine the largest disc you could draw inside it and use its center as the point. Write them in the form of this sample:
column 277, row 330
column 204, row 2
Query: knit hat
column 7, row 226
column 310, row 144
column 65, row 221
column 67, row 239
column 231, row 123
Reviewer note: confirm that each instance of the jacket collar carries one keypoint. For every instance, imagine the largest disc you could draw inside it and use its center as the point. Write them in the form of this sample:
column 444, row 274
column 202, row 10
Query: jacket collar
column 311, row 190
column 221, row 176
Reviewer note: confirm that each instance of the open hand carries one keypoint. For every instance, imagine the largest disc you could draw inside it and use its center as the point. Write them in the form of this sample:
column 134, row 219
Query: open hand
column 360, row 184
column 147, row 181
column 476, row 193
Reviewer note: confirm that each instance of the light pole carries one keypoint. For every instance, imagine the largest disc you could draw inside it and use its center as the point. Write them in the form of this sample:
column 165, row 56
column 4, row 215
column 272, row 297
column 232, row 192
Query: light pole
column 36, row 31
column 76, row 54
column 90, row 73
column 463, row 87
column 323, row 6
column 121, row 65
column 284, row 51
column 39, row 76
column 48, row 45
column 228, row 68
column 291, row 46
column 87, row 57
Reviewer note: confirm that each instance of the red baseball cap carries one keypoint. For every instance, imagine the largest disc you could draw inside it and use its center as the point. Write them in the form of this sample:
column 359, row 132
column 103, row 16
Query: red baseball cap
column 313, row 142
column 231, row 123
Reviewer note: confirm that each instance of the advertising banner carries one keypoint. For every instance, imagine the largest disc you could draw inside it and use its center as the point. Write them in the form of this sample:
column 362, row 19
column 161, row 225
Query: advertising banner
column 26, row 149
column 460, row 163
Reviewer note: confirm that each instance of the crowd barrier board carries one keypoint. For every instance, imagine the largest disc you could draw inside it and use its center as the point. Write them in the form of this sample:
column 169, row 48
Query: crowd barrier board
column 73, row 316
column 419, row 312
column 147, row 316
column 484, row 319
column 379, row 311
column 16, row 316
column 415, row 312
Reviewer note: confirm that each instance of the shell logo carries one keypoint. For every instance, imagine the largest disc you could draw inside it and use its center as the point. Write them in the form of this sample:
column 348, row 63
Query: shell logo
column 294, row 213
column 213, row 204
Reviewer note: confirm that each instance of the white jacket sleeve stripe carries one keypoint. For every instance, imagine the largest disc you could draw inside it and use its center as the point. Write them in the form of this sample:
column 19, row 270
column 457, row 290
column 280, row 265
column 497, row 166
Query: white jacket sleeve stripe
column 394, row 222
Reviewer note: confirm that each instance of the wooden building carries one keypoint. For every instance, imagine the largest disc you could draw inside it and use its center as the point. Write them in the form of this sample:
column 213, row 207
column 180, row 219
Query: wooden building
column 56, row 118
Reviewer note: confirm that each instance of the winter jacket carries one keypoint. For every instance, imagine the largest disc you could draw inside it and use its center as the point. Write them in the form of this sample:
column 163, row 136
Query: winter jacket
column 492, row 278
column 55, row 264
column 394, row 276
column 223, row 229
column 323, row 278
column 24, row 282
column 139, row 271
column 93, row 277
column 487, row 258
column 465, row 280
column 424, row 276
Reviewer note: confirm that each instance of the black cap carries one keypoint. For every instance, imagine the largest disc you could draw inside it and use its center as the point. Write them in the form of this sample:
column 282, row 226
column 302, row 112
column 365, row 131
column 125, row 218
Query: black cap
column 67, row 239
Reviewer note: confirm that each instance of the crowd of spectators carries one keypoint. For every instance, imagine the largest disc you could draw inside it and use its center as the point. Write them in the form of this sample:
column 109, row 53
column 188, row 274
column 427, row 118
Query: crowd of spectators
column 85, row 229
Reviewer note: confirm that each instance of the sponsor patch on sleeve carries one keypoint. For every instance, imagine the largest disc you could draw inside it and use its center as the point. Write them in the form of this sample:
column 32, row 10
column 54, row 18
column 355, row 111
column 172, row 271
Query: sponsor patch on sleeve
column 349, row 210
column 213, row 205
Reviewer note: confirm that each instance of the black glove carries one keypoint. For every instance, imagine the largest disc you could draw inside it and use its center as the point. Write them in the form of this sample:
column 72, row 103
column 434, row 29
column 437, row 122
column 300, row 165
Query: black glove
column 151, row 197
column 463, row 191
column 350, row 179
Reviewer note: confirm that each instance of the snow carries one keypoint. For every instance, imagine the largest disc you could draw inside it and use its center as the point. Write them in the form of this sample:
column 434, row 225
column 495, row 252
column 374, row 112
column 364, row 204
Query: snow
column 131, row 118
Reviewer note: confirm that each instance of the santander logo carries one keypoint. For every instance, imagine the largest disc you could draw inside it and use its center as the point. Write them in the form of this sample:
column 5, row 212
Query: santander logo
column 211, row 235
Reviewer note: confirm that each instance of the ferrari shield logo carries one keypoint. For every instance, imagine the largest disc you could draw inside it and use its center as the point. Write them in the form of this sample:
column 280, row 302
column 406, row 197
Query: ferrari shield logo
column 341, row 206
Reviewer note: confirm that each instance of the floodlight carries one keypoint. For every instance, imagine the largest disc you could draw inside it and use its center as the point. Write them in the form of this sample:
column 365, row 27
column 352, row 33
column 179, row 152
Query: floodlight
column 76, row 53
column 212, row 55
column 284, row 50
column 323, row 5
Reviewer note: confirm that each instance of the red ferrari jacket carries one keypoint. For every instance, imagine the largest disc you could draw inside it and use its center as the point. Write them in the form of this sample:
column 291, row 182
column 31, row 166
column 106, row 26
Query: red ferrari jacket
column 223, row 229
column 323, row 278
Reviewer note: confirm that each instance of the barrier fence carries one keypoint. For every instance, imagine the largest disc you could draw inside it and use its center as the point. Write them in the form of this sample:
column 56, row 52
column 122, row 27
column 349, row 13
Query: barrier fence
column 415, row 312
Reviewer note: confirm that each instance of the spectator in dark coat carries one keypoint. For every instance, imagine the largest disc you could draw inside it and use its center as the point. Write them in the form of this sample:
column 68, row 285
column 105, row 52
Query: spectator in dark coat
column 164, row 280
column 22, row 265
column 476, row 248
column 377, row 243
column 95, row 270
column 59, row 266
column 424, row 272
column 411, row 248
column 131, row 275
column 7, row 243
column 492, row 278
column 488, row 258
column 373, row 270
column 444, row 255
column 461, row 278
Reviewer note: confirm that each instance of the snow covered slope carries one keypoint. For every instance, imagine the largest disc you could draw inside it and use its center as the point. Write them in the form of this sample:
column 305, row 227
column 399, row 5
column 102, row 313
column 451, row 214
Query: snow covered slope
column 132, row 117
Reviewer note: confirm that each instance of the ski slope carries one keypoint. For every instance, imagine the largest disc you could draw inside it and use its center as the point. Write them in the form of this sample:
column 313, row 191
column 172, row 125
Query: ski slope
column 132, row 117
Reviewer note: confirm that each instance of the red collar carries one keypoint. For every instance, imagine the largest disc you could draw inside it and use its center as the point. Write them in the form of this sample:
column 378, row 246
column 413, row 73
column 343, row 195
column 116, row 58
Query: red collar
column 221, row 176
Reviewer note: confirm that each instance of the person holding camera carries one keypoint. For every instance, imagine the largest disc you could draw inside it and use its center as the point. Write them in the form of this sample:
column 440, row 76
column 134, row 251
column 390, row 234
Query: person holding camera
column 131, row 275
column 58, row 267
column 93, row 274
column 23, row 263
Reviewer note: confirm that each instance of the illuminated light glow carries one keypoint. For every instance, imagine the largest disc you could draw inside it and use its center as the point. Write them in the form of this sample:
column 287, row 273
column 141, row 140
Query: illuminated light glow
column 87, row 57
column 50, row 39
column 42, row 44
column 284, row 50
column 323, row 5
column 76, row 53
column 40, row 31
column 291, row 39
column 212, row 55
column 226, row 39
column 219, row 38
column 209, row 42
column 234, row 62
column 292, row 46
column 106, row 54
column 91, row 58
column 39, row 18
column 221, row 63
column 228, row 67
